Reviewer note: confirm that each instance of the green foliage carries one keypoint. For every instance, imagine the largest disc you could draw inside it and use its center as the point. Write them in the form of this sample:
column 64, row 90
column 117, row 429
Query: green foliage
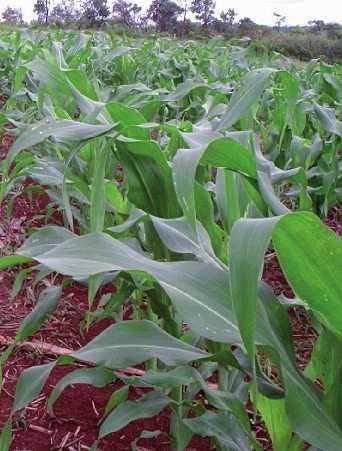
column 204, row 11
column 176, row 165
column 95, row 12
column 305, row 45
column 12, row 15
column 164, row 14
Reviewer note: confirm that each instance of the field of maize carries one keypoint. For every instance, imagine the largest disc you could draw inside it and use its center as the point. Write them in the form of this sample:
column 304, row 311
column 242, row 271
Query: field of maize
column 170, row 252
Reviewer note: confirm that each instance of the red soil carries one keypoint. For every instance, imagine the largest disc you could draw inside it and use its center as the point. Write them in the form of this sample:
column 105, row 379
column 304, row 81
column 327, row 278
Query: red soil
column 303, row 334
column 74, row 425
column 78, row 410
column 334, row 219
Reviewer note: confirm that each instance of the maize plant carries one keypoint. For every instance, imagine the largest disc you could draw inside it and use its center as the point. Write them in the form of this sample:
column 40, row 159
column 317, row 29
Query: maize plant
column 176, row 167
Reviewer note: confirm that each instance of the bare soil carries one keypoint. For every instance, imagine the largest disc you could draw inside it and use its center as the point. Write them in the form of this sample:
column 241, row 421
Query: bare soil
column 74, row 424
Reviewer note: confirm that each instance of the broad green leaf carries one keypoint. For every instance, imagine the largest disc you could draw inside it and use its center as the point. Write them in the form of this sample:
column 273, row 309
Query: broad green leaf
column 149, row 177
column 30, row 384
column 47, row 171
column 326, row 366
column 273, row 412
column 183, row 375
column 269, row 175
column 223, row 427
column 179, row 237
column 328, row 120
column 223, row 152
column 62, row 131
column 145, row 407
column 183, row 89
column 333, row 398
column 47, row 304
column 116, row 199
column 304, row 403
column 19, row 280
column 200, row 292
column 290, row 95
column 311, row 256
column 135, row 217
column 335, row 83
column 80, row 81
column 43, row 240
column 97, row 198
column 125, row 115
column 253, row 84
column 119, row 396
column 99, row 377
column 12, row 260
column 247, row 246
column 93, row 109
column 49, row 73
column 206, row 216
column 6, row 436
column 230, row 154
column 308, row 415
column 326, row 360
column 119, row 51
column 131, row 342
column 227, row 196
column 229, row 402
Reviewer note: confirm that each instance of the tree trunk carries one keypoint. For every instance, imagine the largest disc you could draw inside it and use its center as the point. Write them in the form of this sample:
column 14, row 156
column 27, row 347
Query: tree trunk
column 46, row 12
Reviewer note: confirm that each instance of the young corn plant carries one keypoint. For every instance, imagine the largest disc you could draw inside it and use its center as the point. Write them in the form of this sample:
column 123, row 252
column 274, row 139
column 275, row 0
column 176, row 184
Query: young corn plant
column 174, row 178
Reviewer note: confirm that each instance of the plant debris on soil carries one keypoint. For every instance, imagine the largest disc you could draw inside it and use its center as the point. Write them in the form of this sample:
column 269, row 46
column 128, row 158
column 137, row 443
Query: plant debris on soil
column 76, row 414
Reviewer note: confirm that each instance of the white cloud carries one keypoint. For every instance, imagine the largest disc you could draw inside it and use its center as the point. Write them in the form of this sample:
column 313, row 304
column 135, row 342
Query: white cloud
column 284, row 2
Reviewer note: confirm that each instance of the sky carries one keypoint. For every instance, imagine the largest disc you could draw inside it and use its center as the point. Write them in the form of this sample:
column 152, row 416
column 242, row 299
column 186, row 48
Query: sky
column 297, row 12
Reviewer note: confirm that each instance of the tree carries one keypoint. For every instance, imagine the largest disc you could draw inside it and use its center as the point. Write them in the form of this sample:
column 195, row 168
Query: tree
column 42, row 9
column 95, row 12
column 333, row 30
column 317, row 25
column 12, row 15
column 164, row 13
column 126, row 12
column 204, row 11
column 185, row 6
column 228, row 17
column 58, row 14
column 64, row 12
column 247, row 27
column 279, row 20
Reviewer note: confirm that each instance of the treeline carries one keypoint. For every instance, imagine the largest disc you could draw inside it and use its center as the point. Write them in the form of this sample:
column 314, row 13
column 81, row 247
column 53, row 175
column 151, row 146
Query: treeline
column 177, row 17
column 186, row 18
column 162, row 15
